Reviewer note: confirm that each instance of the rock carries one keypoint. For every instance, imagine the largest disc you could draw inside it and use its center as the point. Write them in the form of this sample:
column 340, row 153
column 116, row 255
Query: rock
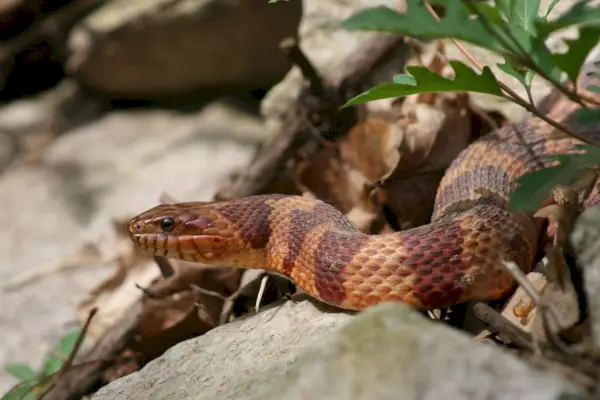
column 108, row 169
column 161, row 48
column 586, row 243
column 299, row 352
column 326, row 45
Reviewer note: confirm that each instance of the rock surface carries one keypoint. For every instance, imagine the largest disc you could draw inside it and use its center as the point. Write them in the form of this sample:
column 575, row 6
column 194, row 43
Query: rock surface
column 326, row 45
column 586, row 242
column 110, row 168
column 299, row 352
column 159, row 48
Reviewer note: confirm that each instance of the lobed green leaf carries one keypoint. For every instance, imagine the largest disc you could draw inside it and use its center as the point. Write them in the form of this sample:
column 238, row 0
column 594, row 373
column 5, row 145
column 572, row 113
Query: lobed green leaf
column 572, row 61
column 418, row 22
column 523, row 13
column 579, row 14
column 424, row 80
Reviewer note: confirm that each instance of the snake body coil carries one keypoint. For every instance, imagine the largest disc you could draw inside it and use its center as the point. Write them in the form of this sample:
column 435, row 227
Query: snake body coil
column 456, row 258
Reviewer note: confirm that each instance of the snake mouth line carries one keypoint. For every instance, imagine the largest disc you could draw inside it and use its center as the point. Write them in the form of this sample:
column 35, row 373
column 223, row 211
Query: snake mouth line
column 162, row 244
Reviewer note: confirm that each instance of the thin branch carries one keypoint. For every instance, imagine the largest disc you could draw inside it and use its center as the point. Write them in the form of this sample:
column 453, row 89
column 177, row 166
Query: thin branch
column 296, row 55
column 499, row 324
column 69, row 363
column 546, row 312
column 512, row 95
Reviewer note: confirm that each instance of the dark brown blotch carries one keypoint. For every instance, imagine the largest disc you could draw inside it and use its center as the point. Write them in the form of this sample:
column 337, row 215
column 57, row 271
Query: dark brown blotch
column 304, row 222
column 331, row 252
column 251, row 217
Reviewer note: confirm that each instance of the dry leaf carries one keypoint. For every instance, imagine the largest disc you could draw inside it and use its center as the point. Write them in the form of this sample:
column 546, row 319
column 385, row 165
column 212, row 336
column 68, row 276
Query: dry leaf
column 325, row 177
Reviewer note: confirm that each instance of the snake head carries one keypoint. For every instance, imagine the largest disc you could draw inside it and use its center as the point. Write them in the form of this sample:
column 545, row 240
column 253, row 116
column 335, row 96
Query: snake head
column 189, row 231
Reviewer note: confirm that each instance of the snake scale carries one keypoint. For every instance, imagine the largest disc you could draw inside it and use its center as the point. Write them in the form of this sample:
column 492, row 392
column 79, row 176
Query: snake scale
column 455, row 258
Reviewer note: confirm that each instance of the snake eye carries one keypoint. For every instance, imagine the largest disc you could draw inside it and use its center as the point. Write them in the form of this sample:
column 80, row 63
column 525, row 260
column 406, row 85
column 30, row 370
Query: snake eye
column 167, row 224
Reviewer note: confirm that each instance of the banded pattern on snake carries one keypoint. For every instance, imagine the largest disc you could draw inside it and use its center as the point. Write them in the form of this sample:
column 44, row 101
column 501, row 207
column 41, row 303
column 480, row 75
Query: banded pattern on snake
column 455, row 258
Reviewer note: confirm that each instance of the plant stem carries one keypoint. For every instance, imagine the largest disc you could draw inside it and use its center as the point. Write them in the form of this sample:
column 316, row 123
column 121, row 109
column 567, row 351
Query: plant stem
column 512, row 95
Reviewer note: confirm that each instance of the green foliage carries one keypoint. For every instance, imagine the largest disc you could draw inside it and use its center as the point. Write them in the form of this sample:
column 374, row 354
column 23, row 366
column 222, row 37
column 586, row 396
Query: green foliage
column 512, row 28
column 20, row 371
column 515, row 29
column 572, row 61
column 33, row 382
column 419, row 22
column 534, row 188
column 580, row 14
column 60, row 352
column 424, row 80
column 24, row 391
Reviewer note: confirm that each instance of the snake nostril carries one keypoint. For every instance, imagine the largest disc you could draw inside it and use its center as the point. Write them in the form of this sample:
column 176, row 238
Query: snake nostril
column 138, row 227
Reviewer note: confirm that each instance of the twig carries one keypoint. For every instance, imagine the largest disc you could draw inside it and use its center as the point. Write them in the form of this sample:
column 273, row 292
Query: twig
column 499, row 324
column 165, row 267
column 78, row 381
column 208, row 292
column 67, row 364
column 522, row 280
column 296, row 55
column 513, row 96
column 261, row 292
column 546, row 312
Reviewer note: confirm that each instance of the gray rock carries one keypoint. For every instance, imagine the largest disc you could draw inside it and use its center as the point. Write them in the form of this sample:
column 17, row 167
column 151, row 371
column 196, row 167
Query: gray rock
column 159, row 48
column 114, row 167
column 586, row 243
column 326, row 45
column 299, row 352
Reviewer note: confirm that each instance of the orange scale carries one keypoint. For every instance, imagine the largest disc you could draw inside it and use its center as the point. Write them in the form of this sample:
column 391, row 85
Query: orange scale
column 373, row 267
column 394, row 280
column 387, row 251
column 383, row 290
column 365, row 273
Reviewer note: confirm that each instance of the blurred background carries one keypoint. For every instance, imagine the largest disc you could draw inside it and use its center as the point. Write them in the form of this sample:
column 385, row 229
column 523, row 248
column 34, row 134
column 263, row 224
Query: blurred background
column 108, row 106
column 104, row 106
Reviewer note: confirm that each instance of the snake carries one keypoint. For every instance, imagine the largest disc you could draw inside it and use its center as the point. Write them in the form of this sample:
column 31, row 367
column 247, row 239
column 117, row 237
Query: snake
column 459, row 256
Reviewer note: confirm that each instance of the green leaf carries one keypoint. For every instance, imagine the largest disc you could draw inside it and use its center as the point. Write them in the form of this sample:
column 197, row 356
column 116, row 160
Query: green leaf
column 536, row 187
column 593, row 88
column 459, row 23
column 521, row 75
column 24, row 391
column 21, row 371
column 488, row 11
column 531, row 51
column 66, row 343
column 587, row 116
column 60, row 352
column 580, row 13
column 418, row 22
column 424, row 80
column 572, row 61
column 520, row 12
column 51, row 365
